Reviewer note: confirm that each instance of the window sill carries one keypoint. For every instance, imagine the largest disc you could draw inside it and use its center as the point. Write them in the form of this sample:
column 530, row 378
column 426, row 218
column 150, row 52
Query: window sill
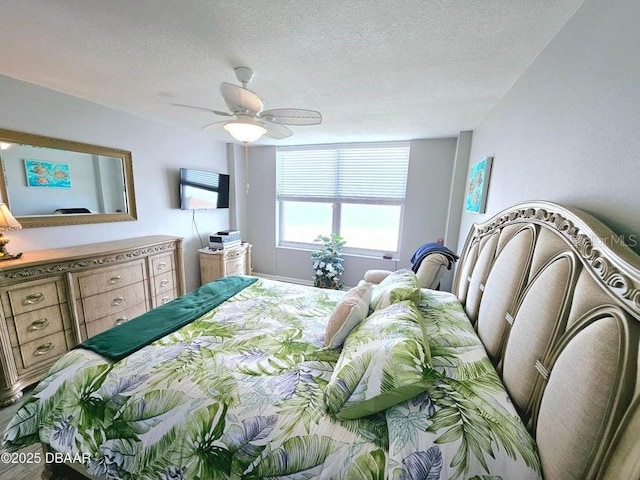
column 393, row 258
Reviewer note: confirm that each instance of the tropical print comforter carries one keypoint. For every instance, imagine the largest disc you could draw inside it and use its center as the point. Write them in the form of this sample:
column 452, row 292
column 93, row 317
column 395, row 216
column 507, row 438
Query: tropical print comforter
column 464, row 425
column 238, row 394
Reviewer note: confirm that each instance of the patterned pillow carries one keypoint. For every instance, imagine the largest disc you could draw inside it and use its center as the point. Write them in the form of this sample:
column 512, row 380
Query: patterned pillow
column 384, row 361
column 399, row 285
column 349, row 312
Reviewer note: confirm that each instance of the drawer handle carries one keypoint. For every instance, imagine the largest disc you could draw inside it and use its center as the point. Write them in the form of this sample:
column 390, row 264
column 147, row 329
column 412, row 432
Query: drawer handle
column 165, row 300
column 34, row 298
column 44, row 349
column 39, row 324
column 162, row 265
column 114, row 280
column 164, row 283
column 118, row 301
column 120, row 321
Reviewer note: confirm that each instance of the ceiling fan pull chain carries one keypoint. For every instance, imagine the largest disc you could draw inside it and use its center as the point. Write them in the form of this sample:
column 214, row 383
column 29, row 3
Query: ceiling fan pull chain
column 246, row 165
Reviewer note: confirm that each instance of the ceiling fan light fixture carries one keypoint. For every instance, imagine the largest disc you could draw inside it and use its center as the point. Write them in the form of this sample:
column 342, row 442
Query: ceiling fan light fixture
column 252, row 121
column 245, row 130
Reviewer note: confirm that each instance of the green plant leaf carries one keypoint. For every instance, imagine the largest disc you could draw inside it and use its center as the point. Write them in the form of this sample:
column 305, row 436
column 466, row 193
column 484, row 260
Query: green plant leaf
column 23, row 427
column 157, row 456
column 369, row 466
column 115, row 458
column 250, row 430
column 143, row 413
column 297, row 455
column 372, row 428
column 350, row 376
column 210, row 457
column 239, row 439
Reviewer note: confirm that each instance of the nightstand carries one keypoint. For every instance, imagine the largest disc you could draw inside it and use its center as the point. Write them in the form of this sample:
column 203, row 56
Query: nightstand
column 216, row 264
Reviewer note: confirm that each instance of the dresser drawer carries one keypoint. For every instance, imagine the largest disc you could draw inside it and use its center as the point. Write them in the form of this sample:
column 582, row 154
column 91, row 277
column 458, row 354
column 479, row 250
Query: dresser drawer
column 234, row 253
column 164, row 298
column 104, row 280
column 33, row 297
column 43, row 349
column 115, row 301
column 39, row 323
column 102, row 324
column 163, row 283
column 162, row 263
column 234, row 267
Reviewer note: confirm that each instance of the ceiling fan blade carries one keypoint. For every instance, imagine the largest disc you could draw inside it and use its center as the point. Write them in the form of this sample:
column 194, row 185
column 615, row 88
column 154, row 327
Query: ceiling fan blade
column 204, row 109
column 292, row 116
column 241, row 100
column 276, row 131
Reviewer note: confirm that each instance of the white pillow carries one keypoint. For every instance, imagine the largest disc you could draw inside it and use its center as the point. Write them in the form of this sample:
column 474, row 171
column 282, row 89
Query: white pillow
column 349, row 312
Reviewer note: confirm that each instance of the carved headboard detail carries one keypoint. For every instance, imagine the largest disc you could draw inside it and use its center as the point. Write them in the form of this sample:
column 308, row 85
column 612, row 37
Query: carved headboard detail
column 554, row 295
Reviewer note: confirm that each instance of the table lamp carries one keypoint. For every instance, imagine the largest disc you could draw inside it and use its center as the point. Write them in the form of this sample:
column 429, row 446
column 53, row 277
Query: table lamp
column 7, row 222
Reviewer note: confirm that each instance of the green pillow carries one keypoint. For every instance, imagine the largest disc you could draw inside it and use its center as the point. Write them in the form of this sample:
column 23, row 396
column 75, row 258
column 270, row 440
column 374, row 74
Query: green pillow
column 384, row 361
column 398, row 286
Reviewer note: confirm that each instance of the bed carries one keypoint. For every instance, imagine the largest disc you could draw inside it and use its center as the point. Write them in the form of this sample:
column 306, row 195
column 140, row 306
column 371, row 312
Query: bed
column 527, row 370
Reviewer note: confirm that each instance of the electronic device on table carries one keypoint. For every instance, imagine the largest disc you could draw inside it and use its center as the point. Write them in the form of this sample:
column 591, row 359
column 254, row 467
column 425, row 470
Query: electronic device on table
column 224, row 240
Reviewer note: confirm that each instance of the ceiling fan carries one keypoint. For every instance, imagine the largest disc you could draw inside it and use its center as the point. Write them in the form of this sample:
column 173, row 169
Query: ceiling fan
column 252, row 122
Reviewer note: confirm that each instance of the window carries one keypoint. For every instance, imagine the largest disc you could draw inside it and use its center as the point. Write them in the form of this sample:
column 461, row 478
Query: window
column 355, row 190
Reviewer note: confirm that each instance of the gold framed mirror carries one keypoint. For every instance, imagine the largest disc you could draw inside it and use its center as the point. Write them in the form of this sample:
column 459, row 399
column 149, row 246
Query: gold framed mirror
column 49, row 182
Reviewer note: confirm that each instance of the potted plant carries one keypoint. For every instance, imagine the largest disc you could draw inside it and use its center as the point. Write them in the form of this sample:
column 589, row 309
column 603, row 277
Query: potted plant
column 327, row 261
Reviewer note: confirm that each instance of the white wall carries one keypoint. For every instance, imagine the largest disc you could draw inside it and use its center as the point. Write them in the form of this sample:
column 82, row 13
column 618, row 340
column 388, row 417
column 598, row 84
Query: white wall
column 425, row 217
column 237, row 188
column 158, row 151
column 261, row 208
column 568, row 130
column 456, row 198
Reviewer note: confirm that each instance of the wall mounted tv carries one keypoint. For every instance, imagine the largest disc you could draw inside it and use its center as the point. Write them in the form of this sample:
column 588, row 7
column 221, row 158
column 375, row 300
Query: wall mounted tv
column 200, row 189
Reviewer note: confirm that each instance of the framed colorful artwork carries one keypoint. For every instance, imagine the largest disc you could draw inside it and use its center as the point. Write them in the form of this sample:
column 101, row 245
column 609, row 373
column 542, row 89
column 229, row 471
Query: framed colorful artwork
column 476, row 198
column 47, row 174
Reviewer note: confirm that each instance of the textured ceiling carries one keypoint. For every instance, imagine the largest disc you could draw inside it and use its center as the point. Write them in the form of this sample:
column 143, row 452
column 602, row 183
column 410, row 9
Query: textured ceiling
column 376, row 70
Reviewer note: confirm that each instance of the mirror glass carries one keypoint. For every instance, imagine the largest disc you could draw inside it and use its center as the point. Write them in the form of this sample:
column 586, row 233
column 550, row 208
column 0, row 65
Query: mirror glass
column 49, row 182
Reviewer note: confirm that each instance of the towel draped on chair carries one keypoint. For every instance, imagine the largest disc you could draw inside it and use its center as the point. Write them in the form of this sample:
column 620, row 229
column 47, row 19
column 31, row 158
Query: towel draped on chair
column 428, row 249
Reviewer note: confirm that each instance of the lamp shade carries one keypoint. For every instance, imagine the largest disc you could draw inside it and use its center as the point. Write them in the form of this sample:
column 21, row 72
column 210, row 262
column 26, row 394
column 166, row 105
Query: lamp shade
column 7, row 221
column 245, row 130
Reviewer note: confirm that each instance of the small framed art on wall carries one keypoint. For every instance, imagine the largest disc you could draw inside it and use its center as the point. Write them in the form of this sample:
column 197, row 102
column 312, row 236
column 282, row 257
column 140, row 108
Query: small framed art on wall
column 47, row 174
column 476, row 197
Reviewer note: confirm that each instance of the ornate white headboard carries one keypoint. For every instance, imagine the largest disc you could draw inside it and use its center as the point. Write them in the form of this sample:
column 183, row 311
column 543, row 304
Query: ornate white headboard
column 555, row 297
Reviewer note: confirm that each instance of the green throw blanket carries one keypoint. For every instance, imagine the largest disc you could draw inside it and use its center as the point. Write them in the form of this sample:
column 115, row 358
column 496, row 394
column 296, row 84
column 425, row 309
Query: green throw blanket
column 122, row 340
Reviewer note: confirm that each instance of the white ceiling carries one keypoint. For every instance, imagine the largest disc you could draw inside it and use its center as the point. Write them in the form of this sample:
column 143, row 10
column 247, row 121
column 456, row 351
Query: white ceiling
column 376, row 69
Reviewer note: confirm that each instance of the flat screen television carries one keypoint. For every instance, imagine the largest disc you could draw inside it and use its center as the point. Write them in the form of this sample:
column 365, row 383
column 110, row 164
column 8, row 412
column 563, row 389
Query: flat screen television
column 200, row 189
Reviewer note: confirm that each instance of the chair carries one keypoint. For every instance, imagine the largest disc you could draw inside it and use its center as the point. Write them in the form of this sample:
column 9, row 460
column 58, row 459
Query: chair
column 429, row 262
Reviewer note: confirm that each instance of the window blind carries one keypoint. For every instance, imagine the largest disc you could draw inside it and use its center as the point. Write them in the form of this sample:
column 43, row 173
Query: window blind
column 349, row 172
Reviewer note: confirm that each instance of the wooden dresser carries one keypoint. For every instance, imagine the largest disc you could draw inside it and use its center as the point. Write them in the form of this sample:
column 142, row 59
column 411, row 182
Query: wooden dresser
column 52, row 300
column 222, row 263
